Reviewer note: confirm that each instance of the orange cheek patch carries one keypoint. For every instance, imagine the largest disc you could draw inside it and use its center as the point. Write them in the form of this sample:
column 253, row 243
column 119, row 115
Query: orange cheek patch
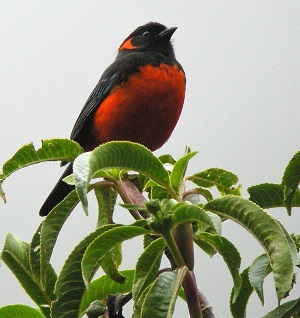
column 127, row 45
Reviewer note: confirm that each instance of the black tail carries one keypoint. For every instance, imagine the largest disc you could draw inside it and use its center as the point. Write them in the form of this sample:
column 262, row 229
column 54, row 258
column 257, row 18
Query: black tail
column 59, row 192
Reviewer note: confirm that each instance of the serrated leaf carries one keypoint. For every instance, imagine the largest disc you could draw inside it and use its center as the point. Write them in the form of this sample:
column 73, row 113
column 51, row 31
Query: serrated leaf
column 292, row 245
column 238, row 308
column 15, row 255
column 191, row 213
column 291, row 180
column 159, row 193
column 102, row 286
column 286, row 310
column 266, row 230
column 34, row 253
column 224, row 180
column 132, row 207
column 194, row 195
column 111, row 263
column 20, row 311
column 50, row 230
column 104, row 244
column 50, row 277
column 147, row 267
column 205, row 246
column 168, row 285
column 167, row 158
column 121, row 155
column 138, row 304
column 257, row 273
column 230, row 255
column 270, row 195
column 106, row 198
column 70, row 285
column 52, row 149
column 178, row 171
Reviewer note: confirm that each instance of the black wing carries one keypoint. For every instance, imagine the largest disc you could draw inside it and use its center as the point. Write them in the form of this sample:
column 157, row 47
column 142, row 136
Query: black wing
column 83, row 123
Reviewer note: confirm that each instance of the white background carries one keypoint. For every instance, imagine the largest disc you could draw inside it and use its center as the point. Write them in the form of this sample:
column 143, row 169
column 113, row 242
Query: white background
column 241, row 111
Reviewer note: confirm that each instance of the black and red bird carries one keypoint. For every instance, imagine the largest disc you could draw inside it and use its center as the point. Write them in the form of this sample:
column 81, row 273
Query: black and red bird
column 138, row 98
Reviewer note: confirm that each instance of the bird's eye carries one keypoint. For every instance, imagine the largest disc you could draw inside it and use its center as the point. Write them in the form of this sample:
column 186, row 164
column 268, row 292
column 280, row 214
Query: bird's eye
column 146, row 33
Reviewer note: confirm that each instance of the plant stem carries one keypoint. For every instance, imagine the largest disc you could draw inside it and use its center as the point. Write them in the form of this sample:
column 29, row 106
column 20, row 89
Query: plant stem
column 126, row 198
column 189, row 282
column 183, row 235
column 191, row 293
column 169, row 238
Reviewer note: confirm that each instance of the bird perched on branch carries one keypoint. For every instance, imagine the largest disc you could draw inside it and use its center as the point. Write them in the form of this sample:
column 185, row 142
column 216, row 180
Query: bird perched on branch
column 138, row 98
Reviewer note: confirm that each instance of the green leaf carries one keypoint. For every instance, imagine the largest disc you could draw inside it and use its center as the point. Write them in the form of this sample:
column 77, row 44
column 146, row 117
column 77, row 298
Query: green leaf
column 167, row 158
column 20, row 311
column 205, row 246
column 147, row 267
column 52, row 149
column 266, row 230
column 111, row 263
column 230, row 255
column 50, row 277
column 35, row 253
column 291, row 180
column 292, row 244
column 222, row 179
column 159, row 193
column 257, row 273
column 161, row 296
column 102, row 286
column 104, row 244
column 190, row 213
column 179, row 169
column 51, row 228
column 286, row 310
column 70, row 285
column 15, row 255
column 131, row 207
column 238, row 308
column 121, row 155
column 106, row 198
column 270, row 195
column 193, row 196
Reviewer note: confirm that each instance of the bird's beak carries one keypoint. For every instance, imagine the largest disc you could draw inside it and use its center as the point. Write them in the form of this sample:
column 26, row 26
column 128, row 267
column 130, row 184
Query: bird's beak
column 167, row 34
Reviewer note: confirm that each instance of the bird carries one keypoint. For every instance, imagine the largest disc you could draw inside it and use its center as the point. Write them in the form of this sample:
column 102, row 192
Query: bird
column 139, row 98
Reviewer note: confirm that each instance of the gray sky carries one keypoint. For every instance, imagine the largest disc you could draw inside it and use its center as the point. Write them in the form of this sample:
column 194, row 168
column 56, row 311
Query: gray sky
column 241, row 112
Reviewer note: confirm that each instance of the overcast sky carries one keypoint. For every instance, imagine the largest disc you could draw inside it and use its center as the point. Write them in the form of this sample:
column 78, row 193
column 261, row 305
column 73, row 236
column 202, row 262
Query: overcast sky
column 241, row 111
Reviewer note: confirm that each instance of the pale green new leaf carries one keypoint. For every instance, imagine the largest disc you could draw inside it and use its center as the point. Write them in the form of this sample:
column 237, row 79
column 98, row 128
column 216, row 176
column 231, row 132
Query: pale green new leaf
column 20, row 311
column 179, row 169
